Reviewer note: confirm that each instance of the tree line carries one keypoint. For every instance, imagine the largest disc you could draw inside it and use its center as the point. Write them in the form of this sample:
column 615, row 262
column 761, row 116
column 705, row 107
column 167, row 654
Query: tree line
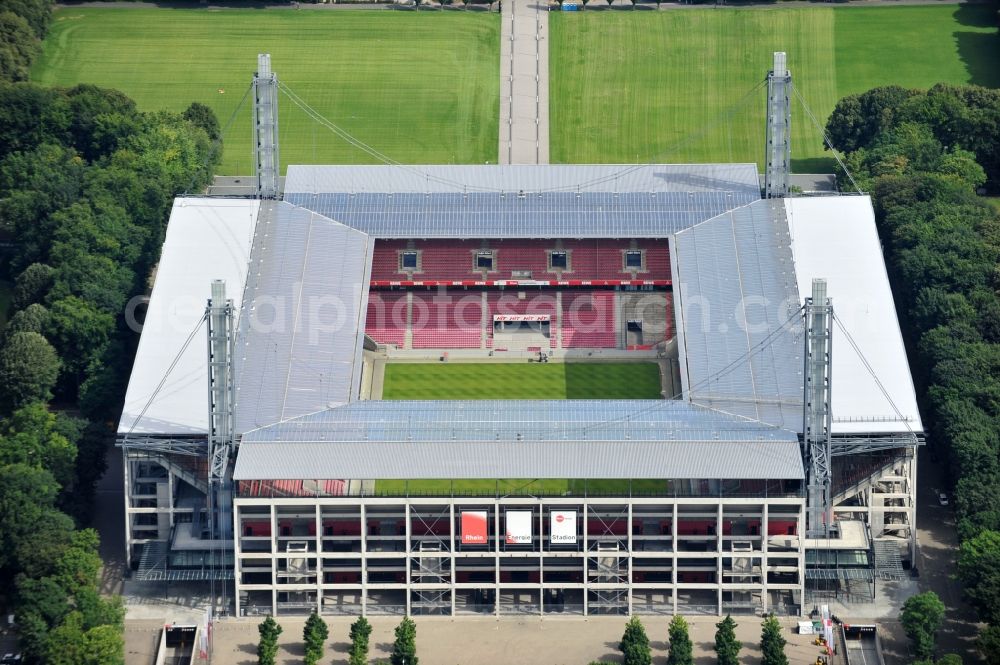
column 23, row 26
column 924, row 156
column 87, row 182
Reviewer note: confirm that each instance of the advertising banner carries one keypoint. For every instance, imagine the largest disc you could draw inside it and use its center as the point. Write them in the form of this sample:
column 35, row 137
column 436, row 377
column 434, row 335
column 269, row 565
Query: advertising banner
column 522, row 317
column 562, row 527
column 474, row 527
column 518, row 527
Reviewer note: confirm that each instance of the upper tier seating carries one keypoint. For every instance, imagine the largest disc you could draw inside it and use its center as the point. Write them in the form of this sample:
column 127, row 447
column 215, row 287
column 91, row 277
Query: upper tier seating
column 455, row 260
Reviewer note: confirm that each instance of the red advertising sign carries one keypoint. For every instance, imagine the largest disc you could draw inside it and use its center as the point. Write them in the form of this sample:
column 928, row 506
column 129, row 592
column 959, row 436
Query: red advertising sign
column 474, row 527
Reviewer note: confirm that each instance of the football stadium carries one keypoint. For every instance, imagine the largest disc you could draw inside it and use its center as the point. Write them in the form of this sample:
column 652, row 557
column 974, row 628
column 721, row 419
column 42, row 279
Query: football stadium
column 521, row 389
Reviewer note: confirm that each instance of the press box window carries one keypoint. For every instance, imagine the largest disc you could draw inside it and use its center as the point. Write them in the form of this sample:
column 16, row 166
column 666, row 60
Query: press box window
column 484, row 261
column 558, row 260
column 633, row 260
column 408, row 261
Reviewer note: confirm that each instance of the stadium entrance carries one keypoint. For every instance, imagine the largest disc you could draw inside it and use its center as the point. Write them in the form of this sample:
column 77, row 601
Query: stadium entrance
column 634, row 333
column 521, row 331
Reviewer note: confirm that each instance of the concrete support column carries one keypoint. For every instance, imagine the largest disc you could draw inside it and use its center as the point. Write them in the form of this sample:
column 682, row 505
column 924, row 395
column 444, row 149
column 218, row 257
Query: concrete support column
column 673, row 527
column 763, row 557
column 496, row 554
column 486, row 323
column 409, row 559
column 408, row 334
column 558, row 321
column 274, row 559
column 364, row 561
column 319, row 557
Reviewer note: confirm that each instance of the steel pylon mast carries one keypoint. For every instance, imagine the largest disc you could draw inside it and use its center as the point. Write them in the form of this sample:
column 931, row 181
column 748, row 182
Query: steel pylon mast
column 221, row 391
column 265, row 129
column 816, row 416
column 779, row 129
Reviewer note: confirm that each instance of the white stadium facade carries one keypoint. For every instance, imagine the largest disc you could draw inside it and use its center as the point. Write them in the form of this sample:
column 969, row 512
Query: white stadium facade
column 780, row 471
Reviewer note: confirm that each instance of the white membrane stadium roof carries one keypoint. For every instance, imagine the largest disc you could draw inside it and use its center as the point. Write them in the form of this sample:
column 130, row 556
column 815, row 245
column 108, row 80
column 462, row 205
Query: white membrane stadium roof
column 542, row 201
column 519, row 439
column 835, row 238
column 302, row 318
column 206, row 239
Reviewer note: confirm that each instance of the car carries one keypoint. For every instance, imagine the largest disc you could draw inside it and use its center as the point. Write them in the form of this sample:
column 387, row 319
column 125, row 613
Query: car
column 942, row 498
column 11, row 659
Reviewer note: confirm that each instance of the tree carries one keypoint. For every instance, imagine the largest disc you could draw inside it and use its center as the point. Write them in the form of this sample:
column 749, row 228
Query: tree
column 772, row 643
column 30, row 436
column 38, row 13
column 29, row 368
column 203, row 116
column 33, row 318
column 727, row 647
column 267, row 648
column 680, row 650
column 314, row 635
column 80, row 331
column 71, row 643
column 404, row 647
column 635, row 644
column 979, row 571
column 361, row 631
column 32, row 285
column 18, row 47
column 988, row 644
column 921, row 618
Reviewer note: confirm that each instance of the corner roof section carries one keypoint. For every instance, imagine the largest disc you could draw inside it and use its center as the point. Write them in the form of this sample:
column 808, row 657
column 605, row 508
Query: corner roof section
column 835, row 238
column 522, row 201
column 738, row 281
column 514, row 438
column 206, row 239
column 302, row 317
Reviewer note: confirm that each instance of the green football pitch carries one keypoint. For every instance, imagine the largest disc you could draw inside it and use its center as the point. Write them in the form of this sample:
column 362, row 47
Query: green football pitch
column 421, row 87
column 522, row 381
column 678, row 86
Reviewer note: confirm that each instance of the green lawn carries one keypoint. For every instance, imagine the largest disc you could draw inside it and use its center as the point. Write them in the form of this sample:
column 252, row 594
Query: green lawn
column 422, row 87
column 672, row 86
column 522, row 381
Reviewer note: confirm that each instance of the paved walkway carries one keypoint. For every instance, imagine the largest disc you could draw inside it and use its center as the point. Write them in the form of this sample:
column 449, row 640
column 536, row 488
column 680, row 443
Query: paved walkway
column 473, row 641
column 524, row 82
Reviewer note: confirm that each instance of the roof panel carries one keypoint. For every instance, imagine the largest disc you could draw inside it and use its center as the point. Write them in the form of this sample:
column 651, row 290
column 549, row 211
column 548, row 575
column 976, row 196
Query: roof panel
column 835, row 238
column 206, row 239
column 736, row 294
column 772, row 460
column 546, row 201
column 513, row 438
column 302, row 322
column 521, row 420
column 461, row 179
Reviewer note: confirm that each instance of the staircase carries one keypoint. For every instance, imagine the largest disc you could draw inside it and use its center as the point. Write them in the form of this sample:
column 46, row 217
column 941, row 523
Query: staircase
column 888, row 565
column 153, row 563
